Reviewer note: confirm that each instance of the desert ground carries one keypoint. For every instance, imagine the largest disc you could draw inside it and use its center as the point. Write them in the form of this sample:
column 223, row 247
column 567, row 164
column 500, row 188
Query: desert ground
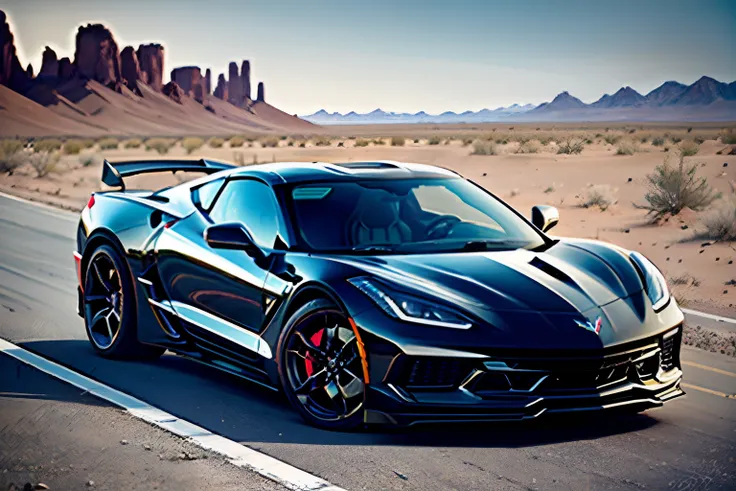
column 520, row 164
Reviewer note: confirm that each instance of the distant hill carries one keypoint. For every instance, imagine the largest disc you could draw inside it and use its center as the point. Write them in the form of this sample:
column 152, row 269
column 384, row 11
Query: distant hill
column 705, row 100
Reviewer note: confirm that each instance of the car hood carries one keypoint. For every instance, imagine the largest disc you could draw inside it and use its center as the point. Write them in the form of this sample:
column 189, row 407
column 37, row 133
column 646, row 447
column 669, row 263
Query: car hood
column 569, row 277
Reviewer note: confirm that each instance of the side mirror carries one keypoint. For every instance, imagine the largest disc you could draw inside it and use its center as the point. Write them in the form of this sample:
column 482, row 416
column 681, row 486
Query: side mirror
column 545, row 217
column 232, row 235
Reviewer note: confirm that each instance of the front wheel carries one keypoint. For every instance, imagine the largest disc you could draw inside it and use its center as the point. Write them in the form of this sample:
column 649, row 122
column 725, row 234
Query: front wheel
column 320, row 367
column 109, row 307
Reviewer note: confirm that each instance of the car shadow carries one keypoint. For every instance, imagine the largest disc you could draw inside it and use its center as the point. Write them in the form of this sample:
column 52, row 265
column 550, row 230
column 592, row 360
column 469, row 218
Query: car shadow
column 251, row 414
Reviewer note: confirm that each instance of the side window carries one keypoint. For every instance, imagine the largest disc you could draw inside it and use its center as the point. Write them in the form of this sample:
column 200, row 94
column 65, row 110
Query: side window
column 205, row 194
column 251, row 203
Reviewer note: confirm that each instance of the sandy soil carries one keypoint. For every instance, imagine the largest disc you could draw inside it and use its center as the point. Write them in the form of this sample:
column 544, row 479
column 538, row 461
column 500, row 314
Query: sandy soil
column 522, row 179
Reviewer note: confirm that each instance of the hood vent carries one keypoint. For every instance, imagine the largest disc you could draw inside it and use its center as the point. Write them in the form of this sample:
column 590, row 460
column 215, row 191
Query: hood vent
column 551, row 270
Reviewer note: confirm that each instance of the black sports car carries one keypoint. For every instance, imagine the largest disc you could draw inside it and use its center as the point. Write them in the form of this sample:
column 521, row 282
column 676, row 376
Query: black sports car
column 374, row 292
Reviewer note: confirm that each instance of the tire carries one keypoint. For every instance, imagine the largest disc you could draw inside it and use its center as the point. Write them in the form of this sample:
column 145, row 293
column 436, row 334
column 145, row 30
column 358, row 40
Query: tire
column 109, row 307
column 319, row 344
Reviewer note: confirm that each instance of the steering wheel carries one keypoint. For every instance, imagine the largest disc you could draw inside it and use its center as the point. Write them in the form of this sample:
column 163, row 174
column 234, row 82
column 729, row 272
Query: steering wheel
column 444, row 223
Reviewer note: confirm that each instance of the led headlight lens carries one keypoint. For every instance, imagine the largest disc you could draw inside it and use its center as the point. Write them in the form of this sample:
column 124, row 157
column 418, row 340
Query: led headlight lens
column 409, row 308
column 654, row 283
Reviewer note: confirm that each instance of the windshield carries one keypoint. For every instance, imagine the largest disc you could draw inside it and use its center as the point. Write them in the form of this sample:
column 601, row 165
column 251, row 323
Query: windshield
column 407, row 216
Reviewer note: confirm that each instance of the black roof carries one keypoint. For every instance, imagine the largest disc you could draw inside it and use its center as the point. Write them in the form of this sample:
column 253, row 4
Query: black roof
column 294, row 172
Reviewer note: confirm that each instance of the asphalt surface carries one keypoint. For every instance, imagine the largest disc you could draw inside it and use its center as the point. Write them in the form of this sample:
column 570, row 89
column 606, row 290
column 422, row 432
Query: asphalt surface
column 688, row 444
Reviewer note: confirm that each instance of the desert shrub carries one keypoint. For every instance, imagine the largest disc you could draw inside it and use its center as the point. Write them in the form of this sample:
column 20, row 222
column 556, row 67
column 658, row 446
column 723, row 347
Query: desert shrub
column 216, row 142
column 290, row 143
column 47, row 145
column 545, row 140
column 643, row 139
column 397, row 141
column 481, row 147
column 689, row 148
column 132, row 143
column 685, row 279
column 658, row 141
column 549, row 189
column 672, row 188
column 237, row 142
column 435, row 140
column 88, row 160
column 379, row 141
column 10, row 147
column 44, row 163
column 361, row 142
column 302, row 144
column 73, row 147
column 11, row 155
column 528, row 147
column 87, row 143
column 599, row 195
column 728, row 137
column 322, row 141
column 571, row 145
column 626, row 148
column 699, row 140
column 416, row 140
column 720, row 222
column 160, row 145
column 675, row 139
column 269, row 142
column 612, row 139
column 192, row 143
column 467, row 141
column 108, row 143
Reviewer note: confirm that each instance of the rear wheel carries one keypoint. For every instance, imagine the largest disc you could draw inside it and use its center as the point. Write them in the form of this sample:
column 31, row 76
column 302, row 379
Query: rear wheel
column 109, row 307
column 320, row 367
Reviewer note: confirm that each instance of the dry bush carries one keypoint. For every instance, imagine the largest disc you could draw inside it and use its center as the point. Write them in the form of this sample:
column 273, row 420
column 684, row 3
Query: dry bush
column 728, row 137
column 528, row 146
column 361, row 142
column 160, row 145
column 685, row 279
column 11, row 155
column 44, row 163
column 612, row 139
column 88, row 160
column 658, row 141
column 397, row 141
column 435, row 140
column 132, row 143
column 379, row 141
column 484, row 148
column 322, row 141
column 720, row 222
column 108, row 143
column 675, row 139
column 73, row 147
column 237, row 142
column 689, row 148
column 216, row 142
column 670, row 189
column 47, row 145
column 571, row 145
column 600, row 195
column 192, row 143
column 269, row 142
column 10, row 147
column 626, row 148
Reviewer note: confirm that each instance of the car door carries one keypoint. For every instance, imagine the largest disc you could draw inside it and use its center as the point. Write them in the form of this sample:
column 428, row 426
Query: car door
column 219, row 292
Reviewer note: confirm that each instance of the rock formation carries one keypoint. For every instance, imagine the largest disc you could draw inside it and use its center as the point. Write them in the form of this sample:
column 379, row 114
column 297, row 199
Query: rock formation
column 11, row 71
column 208, row 82
column 173, row 92
column 130, row 69
column 97, row 56
column 245, row 77
column 235, row 85
column 66, row 69
column 151, row 62
column 261, row 93
column 29, row 71
column 190, row 79
column 49, row 64
column 221, row 89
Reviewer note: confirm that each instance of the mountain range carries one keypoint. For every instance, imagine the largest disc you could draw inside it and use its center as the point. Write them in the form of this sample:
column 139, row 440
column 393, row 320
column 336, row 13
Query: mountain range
column 705, row 100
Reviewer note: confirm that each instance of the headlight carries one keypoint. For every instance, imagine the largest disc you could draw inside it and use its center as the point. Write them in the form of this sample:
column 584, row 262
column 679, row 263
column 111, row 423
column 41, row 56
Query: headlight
column 654, row 283
column 409, row 308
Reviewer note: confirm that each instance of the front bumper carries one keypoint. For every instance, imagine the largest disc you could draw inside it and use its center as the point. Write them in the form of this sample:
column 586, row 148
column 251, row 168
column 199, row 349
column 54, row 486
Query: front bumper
column 526, row 386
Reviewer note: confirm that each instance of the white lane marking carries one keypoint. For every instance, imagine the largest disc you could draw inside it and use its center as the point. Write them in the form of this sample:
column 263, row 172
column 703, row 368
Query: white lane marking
column 238, row 455
column 70, row 215
column 58, row 212
column 718, row 318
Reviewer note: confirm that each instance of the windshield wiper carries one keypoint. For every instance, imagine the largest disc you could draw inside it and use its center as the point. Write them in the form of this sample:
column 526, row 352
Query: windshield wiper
column 374, row 248
column 486, row 244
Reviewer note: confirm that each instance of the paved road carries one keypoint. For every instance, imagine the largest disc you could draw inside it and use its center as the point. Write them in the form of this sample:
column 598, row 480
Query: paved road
column 689, row 444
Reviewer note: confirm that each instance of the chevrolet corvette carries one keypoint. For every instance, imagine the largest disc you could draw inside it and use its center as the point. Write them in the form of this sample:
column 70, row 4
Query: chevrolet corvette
column 373, row 293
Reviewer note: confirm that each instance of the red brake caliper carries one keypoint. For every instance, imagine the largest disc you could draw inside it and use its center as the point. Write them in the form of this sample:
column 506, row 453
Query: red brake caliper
column 316, row 339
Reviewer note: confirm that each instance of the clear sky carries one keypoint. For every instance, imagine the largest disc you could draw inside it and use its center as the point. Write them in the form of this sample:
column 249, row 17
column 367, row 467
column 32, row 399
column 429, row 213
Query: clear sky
column 410, row 55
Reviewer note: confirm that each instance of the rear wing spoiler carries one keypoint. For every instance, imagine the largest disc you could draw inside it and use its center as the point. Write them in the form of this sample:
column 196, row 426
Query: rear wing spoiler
column 114, row 172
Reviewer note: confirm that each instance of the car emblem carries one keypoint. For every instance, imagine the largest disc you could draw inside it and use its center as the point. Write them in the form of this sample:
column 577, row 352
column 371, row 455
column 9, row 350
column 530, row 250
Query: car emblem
column 593, row 327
